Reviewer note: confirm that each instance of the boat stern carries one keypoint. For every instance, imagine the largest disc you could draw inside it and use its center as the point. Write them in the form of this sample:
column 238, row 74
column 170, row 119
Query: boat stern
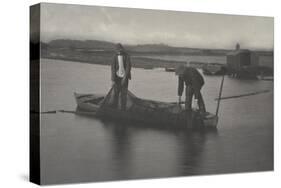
column 210, row 121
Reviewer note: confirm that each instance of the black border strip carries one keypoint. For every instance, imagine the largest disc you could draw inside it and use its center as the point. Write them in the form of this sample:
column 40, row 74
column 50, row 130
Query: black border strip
column 34, row 79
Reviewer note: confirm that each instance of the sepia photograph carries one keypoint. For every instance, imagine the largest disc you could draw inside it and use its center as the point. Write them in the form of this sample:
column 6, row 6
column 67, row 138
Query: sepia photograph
column 126, row 93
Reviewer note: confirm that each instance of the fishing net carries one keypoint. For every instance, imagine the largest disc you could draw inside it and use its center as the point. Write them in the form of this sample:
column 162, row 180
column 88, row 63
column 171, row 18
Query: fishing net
column 135, row 104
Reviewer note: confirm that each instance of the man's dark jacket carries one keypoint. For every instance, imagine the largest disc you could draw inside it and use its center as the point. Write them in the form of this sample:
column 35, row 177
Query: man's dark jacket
column 115, row 66
column 191, row 78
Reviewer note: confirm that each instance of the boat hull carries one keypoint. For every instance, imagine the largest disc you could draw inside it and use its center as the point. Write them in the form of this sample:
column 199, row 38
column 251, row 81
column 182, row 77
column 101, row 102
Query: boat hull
column 175, row 117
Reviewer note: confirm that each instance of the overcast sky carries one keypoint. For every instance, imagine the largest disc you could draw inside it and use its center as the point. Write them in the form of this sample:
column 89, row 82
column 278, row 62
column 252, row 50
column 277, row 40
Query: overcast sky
column 140, row 26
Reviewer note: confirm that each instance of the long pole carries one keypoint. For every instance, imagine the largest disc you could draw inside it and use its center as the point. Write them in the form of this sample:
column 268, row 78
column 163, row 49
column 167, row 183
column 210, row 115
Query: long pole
column 244, row 95
column 219, row 99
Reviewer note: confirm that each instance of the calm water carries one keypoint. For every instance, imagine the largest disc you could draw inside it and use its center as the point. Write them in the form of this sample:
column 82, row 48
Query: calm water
column 76, row 148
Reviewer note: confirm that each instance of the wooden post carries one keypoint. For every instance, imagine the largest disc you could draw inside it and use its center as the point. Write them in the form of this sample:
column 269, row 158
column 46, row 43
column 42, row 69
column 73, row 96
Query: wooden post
column 219, row 99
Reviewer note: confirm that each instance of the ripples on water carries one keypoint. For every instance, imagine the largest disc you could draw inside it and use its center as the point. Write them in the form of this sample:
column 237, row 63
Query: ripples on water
column 78, row 148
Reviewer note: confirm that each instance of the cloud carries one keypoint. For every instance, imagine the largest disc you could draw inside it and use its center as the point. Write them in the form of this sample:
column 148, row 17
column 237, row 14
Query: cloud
column 139, row 26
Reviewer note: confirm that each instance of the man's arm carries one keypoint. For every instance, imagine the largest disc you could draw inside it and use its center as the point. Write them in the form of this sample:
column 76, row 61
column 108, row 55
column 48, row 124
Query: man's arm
column 128, row 66
column 180, row 86
column 196, row 92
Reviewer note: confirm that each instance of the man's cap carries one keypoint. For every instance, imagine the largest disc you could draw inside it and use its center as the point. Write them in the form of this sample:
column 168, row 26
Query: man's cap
column 119, row 47
column 180, row 70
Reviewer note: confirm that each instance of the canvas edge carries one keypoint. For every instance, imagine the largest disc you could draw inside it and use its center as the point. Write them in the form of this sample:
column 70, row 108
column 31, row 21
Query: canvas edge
column 34, row 106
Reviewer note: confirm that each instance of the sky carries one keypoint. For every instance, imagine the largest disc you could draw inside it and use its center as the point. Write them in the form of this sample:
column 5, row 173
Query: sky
column 143, row 26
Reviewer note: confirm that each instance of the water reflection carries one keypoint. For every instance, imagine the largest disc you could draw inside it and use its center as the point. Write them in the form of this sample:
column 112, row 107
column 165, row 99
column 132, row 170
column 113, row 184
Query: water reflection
column 188, row 148
column 120, row 147
column 191, row 150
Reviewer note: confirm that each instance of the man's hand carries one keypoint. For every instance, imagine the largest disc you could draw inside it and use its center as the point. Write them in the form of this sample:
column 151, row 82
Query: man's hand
column 123, row 81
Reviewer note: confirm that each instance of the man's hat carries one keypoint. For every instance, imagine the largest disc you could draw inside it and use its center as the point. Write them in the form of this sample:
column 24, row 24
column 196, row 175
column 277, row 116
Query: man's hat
column 119, row 47
column 180, row 70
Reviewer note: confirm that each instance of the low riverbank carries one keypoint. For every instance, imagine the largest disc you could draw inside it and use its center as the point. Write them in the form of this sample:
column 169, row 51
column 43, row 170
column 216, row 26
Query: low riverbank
column 106, row 59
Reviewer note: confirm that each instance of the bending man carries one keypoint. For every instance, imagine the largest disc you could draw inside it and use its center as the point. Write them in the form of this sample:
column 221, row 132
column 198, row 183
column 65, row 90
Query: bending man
column 193, row 81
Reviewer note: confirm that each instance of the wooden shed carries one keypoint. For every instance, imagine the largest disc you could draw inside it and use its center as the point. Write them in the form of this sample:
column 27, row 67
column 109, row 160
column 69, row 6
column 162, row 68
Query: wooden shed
column 242, row 64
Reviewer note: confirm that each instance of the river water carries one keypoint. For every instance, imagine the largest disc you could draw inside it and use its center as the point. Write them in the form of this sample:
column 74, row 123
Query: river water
column 81, row 149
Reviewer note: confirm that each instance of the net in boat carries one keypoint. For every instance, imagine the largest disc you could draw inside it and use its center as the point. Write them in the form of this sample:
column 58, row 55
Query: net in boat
column 136, row 104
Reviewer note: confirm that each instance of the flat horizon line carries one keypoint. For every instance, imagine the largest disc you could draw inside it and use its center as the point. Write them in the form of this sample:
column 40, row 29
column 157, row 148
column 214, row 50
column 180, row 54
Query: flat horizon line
column 160, row 44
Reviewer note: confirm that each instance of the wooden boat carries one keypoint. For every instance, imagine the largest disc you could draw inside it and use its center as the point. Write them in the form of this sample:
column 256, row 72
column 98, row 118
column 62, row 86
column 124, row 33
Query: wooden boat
column 149, row 113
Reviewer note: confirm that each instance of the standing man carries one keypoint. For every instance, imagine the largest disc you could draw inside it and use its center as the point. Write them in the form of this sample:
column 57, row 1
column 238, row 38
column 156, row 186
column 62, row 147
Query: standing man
column 193, row 81
column 120, row 76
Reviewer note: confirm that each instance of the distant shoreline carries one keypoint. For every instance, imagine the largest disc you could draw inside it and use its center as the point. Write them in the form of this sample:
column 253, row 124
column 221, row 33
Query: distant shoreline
column 146, row 56
column 137, row 62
